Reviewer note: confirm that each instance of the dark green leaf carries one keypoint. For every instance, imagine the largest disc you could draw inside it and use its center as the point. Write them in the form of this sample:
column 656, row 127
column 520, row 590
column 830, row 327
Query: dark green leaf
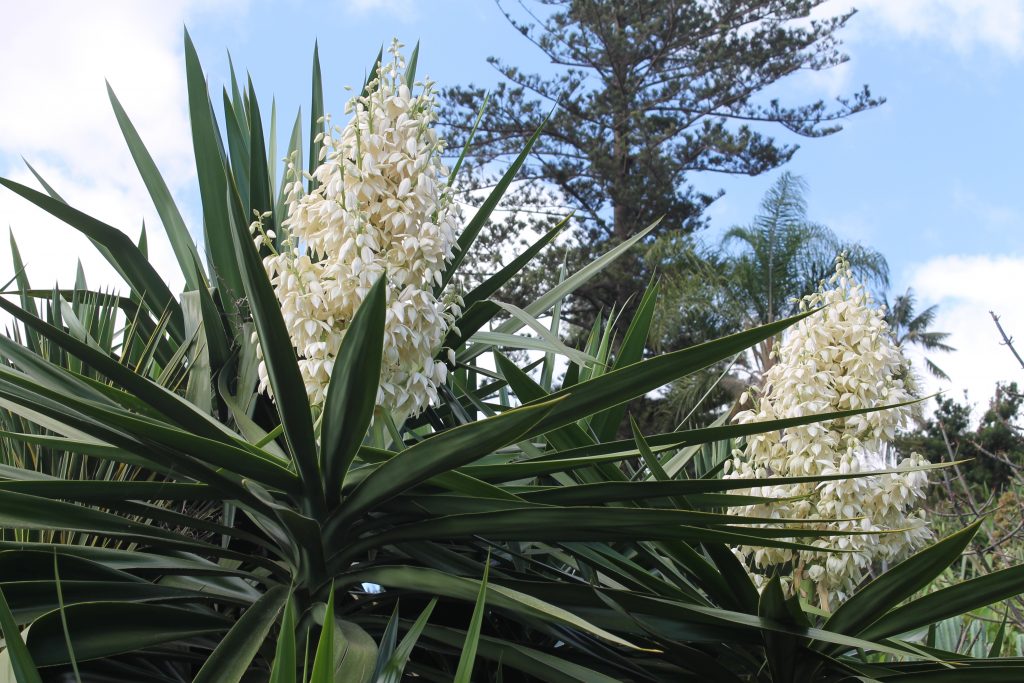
column 469, row 140
column 619, row 450
column 352, row 393
column 46, row 186
column 127, row 627
column 410, row 69
column 464, row 672
column 591, row 524
column 394, row 668
column 21, row 511
column 438, row 454
column 261, row 199
column 211, row 168
column 565, row 437
column 544, row 666
column 177, row 232
column 316, row 114
column 23, row 666
column 119, row 251
column 781, row 650
column 495, row 282
column 949, row 602
column 432, row 581
column 870, row 603
column 624, row 384
column 285, row 664
column 355, row 653
column 372, row 75
column 472, row 229
column 282, row 367
column 606, row 424
column 387, row 643
column 238, row 149
column 231, row 659
column 323, row 661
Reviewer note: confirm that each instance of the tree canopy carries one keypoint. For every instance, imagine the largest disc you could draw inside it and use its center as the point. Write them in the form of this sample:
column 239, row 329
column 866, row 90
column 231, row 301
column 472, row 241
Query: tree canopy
column 912, row 327
column 756, row 274
column 642, row 95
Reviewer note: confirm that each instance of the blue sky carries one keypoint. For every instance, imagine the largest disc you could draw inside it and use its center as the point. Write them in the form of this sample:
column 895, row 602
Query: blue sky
column 932, row 178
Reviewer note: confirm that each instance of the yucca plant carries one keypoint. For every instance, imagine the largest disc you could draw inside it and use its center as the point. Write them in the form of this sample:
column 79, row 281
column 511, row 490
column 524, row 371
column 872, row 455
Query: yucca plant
column 505, row 533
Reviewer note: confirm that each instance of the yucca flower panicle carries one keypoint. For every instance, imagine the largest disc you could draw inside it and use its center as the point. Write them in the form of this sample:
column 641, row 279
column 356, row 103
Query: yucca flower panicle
column 840, row 358
column 381, row 207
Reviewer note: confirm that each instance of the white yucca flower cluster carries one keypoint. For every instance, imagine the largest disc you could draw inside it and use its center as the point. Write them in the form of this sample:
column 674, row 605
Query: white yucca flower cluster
column 382, row 208
column 843, row 357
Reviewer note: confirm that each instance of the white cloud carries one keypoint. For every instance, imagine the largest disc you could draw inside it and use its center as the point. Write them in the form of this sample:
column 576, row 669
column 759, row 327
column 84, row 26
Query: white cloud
column 56, row 114
column 964, row 25
column 996, row 219
column 832, row 82
column 404, row 10
column 50, row 248
column 966, row 288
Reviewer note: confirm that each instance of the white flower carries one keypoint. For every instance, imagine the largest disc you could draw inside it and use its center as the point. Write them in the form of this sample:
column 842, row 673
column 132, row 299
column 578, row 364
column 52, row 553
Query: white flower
column 382, row 208
column 840, row 358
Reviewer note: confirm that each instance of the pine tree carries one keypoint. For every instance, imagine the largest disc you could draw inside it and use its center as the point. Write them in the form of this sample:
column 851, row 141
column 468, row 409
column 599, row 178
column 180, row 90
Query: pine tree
column 646, row 93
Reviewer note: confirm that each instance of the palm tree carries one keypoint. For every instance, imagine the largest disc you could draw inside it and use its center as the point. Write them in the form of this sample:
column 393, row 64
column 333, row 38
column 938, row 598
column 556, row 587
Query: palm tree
column 756, row 275
column 781, row 256
column 910, row 327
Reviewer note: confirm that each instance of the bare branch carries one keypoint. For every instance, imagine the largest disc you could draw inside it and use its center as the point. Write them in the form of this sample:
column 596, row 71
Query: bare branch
column 1007, row 340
